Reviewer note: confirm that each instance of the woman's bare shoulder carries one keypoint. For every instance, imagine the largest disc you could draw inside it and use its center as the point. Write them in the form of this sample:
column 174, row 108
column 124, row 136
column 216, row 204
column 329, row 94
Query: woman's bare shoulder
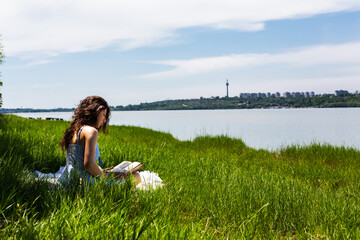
column 90, row 131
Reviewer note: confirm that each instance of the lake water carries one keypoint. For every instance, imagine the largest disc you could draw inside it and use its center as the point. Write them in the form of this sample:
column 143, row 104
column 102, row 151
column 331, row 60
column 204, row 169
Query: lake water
column 258, row 128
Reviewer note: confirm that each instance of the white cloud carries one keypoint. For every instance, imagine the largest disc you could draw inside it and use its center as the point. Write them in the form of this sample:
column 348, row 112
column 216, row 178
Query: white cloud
column 54, row 27
column 343, row 54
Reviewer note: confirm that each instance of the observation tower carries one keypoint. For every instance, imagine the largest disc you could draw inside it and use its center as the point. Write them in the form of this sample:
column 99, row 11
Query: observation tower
column 227, row 88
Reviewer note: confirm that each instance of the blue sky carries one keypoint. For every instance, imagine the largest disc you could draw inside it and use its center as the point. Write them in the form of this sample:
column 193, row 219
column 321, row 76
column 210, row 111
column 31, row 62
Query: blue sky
column 142, row 51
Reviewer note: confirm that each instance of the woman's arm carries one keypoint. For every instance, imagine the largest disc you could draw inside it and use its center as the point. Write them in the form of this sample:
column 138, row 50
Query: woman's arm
column 91, row 135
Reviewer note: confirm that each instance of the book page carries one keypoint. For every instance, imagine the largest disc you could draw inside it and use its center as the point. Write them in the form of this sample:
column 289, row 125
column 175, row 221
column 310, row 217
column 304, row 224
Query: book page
column 121, row 167
column 134, row 167
column 126, row 167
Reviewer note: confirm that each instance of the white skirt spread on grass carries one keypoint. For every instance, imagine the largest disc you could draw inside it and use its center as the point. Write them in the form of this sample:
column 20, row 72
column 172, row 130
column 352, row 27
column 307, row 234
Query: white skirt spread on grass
column 149, row 180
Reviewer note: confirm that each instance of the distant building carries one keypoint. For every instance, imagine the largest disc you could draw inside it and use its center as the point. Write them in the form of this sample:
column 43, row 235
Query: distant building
column 227, row 88
column 244, row 95
column 296, row 94
column 341, row 92
column 277, row 94
column 286, row 94
column 253, row 95
column 261, row 95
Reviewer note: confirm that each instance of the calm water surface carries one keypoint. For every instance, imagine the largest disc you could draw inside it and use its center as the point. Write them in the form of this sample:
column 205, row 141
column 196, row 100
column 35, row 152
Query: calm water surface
column 258, row 128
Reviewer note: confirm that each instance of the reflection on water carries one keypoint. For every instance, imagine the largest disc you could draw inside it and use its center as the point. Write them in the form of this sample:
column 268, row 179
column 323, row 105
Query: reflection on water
column 259, row 128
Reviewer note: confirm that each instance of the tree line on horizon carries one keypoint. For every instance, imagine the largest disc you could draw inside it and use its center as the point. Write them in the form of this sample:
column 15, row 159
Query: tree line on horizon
column 318, row 101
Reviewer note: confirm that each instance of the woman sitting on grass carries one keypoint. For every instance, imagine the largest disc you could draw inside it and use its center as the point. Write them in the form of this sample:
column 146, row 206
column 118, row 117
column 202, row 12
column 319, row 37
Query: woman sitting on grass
column 80, row 142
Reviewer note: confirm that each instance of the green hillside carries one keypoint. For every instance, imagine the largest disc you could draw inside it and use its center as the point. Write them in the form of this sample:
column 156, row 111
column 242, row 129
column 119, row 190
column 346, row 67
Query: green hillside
column 216, row 188
column 319, row 101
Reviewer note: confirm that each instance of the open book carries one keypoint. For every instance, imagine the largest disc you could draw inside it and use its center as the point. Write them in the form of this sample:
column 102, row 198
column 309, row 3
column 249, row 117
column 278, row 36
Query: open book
column 127, row 167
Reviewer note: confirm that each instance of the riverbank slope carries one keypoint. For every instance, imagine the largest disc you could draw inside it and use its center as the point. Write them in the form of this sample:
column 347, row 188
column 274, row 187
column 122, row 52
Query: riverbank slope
column 216, row 188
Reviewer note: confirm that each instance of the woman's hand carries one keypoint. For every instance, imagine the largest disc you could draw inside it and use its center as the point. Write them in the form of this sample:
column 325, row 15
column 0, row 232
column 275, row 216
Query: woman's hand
column 116, row 175
column 120, row 175
column 108, row 169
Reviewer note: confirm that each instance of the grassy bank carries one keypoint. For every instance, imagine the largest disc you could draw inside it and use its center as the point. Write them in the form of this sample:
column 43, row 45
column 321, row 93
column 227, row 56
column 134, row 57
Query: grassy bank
column 216, row 188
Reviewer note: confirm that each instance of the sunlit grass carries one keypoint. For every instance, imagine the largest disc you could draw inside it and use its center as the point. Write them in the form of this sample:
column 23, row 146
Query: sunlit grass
column 216, row 188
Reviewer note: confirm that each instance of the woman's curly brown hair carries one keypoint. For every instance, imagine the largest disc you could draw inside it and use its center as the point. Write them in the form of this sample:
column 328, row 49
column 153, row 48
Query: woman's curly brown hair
column 86, row 114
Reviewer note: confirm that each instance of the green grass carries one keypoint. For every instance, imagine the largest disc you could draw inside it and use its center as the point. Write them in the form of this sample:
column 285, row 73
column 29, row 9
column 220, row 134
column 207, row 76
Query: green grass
column 216, row 188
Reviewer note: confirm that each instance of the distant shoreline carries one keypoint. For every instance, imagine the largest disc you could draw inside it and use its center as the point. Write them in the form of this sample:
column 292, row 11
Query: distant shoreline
column 10, row 111
column 30, row 110
column 216, row 103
